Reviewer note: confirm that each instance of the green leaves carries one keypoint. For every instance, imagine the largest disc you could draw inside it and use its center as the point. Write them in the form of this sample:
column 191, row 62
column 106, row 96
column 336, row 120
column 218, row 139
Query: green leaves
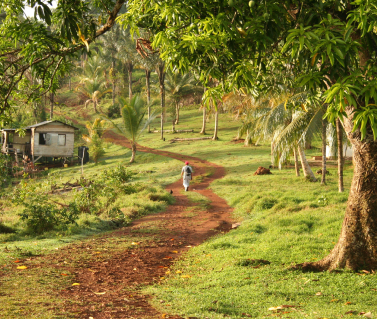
column 363, row 117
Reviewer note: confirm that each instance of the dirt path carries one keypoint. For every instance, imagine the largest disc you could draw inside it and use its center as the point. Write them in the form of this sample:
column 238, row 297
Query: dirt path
column 122, row 275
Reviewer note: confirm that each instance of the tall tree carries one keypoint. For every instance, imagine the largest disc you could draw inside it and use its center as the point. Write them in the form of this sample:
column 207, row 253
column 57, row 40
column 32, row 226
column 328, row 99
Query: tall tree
column 133, row 114
column 160, row 70
column 331, row 42
column 46, row 45
column 177, row 86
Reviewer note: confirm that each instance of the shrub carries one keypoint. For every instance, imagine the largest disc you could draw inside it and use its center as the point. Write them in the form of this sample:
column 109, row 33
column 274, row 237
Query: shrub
column 42, row 216
column 96, row 148
column 113, row 111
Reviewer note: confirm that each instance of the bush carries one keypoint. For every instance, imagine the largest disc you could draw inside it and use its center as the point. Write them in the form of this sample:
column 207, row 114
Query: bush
column 96, row 148
column 113, row 111
column 41, row 216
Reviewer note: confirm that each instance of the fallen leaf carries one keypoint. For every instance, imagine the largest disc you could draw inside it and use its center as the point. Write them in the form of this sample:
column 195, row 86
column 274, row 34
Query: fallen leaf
column 351, row 312
column 162, row 278
column 366, row 271
column 334, row 300
column 188, row 246
column 348, row 303
column 167, row 257
column 178, row 272
column 76, row 284
column 133, row 243
column 167, row 272
column 162, row 267
column 368, row 315
column 185, row 276
column 17, row 261
column 63, row 274
column 163, row 315
column 281, row 307
column 318, row 293
column 99, row 293
column 135, row 269
column 174, row 252
column 21, row 267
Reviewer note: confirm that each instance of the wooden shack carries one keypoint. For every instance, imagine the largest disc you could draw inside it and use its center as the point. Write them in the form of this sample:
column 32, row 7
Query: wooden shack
column 45, row 139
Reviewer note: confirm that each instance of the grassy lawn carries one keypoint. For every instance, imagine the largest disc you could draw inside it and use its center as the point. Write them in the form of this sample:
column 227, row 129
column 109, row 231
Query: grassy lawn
column 284, row 220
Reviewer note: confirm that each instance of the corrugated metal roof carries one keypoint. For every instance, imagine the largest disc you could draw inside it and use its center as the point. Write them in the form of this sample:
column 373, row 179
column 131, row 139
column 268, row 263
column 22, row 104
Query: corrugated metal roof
column 48, row 122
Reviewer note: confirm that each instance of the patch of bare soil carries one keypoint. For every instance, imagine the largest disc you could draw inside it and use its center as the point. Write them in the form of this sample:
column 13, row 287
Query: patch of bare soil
column 110, row 287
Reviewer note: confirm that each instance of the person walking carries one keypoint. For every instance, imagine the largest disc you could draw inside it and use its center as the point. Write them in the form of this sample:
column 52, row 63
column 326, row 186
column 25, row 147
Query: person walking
column 186, row 173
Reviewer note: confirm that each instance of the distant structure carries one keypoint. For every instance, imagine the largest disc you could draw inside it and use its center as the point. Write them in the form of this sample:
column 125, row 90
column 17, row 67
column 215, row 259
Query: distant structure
column 45, row 139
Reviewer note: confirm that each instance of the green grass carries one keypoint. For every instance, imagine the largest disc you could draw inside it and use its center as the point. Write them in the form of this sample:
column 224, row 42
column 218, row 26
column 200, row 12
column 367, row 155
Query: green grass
column 284, row 220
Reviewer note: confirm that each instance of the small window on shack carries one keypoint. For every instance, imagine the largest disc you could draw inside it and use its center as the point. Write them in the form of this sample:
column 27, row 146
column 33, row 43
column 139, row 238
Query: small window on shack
column 61, row 139
column 44, row 139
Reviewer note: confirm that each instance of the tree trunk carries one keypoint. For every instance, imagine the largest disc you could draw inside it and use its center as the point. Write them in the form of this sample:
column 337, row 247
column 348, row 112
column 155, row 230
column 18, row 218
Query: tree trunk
column 324, row 126
column 130, row 84
column 113, row 80
column 297, row 167
column 161, row 78
column 133, row 151
column 176, row 113
column 203, row 130
column 215, row 137
column 130, row 68
column 51, row 105
column 147, row 80
column 308, row 173
column 339, row 135
column 356, row 248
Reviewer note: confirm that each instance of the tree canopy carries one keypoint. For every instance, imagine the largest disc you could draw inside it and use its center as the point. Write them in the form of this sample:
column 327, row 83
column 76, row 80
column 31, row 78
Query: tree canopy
column 34, row 51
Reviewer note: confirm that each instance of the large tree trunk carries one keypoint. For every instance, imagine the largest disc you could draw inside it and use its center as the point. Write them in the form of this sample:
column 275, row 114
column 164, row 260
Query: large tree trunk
column 324, row 126
column 133, row 151
column 297, row 167
column 339, row 135
column 356, row 248
column 308, row 173
column 215, row 137
column 147, row 82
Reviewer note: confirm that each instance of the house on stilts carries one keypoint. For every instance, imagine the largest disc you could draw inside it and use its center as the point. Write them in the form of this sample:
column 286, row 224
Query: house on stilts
column 46, row 139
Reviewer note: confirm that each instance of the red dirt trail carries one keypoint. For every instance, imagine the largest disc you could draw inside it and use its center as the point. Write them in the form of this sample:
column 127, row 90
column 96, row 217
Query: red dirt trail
column 122, row 275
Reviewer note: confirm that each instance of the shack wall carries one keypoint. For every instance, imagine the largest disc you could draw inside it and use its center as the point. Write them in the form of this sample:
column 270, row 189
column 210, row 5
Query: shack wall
column 52, row 147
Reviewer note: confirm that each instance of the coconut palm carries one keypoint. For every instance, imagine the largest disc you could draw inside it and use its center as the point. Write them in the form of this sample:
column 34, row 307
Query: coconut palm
column 94, row 137
column 93, row 89
column 178, row 86
column 98, row 127
column 160, row 70
column 133, row 113
column 148, row 62
column 289, row 129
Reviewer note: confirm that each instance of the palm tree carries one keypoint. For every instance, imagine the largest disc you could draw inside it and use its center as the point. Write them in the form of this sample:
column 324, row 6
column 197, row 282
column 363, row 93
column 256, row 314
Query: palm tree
column 94, row 137
column 290, row 129
column 178, row 86
column 93, row 89
column 148, row 63
column 160, row 70
column 133, row 116
column 127, row 54
column 99, row 127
